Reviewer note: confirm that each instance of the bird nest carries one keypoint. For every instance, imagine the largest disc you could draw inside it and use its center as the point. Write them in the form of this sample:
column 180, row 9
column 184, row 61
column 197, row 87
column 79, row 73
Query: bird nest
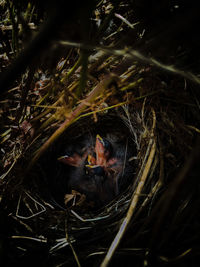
column 81, row 220
column 40, row 194
column 41, row 224
column 149, row 115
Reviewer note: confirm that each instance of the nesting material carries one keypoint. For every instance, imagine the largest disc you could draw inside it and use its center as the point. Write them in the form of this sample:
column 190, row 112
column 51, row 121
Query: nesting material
column 101, row 154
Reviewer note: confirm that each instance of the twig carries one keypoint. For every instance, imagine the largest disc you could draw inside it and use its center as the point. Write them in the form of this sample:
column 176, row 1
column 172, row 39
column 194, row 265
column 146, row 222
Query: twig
column 88, row 220
column 61, row 243
column 132, row 26
column 42, row 240
column 43, row 209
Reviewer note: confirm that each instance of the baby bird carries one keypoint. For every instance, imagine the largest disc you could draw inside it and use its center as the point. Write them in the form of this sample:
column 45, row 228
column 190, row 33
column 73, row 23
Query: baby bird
column 95, row 172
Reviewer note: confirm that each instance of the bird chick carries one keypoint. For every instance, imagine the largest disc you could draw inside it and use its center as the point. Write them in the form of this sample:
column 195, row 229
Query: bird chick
column 96, row 172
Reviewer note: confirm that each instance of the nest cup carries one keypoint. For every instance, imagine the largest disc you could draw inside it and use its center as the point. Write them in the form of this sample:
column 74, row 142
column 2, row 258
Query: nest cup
column 56, row 175
column 40, row 200
column 86, row 225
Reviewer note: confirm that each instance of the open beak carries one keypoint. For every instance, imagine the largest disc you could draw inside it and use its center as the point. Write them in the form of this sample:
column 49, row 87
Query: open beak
column 91, row 160
column 101, row 151
column 101, row 154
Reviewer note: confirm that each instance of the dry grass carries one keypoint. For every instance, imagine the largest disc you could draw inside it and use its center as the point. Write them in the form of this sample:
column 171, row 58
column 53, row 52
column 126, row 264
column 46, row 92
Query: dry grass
column 155, row 219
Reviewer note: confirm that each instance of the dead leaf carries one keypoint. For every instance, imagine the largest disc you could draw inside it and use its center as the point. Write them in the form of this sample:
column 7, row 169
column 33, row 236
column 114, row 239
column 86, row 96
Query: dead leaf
column 75, row 197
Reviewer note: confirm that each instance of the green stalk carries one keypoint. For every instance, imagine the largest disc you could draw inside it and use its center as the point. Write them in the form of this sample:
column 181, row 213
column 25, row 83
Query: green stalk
column 71, row 71
column 84, row 72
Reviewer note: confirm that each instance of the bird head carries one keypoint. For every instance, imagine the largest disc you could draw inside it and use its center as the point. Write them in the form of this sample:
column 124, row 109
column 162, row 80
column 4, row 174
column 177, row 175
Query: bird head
column 96, row 169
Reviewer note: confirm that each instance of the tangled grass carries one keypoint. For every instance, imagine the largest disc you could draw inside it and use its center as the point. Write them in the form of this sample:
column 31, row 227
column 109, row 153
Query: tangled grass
column 155, row 220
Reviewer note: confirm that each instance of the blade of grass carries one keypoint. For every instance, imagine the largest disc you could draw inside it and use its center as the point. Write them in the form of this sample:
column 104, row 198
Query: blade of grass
column 71, row 71
column 84, row 71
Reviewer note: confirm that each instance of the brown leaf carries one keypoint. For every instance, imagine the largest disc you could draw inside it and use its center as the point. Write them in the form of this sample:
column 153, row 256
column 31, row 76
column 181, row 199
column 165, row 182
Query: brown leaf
column 77, row 199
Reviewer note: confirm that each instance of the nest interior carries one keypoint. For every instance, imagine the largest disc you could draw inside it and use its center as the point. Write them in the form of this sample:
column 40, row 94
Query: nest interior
column 56, row 175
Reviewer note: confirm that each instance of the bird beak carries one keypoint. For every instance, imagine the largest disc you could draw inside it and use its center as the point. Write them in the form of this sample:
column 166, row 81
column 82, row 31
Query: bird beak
column 91, row 160
column 63, row 158
column 100, row 139
column 100, row 150
column 74, row 160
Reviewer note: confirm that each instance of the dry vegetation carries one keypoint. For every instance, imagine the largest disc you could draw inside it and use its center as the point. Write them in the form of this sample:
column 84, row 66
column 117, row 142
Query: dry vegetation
column 99, row 61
